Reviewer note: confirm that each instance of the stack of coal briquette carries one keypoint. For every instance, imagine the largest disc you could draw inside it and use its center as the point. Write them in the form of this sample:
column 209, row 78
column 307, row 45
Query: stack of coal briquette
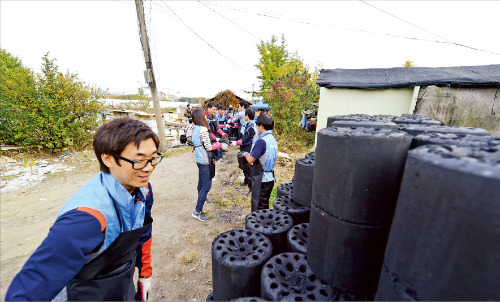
column 386, row 208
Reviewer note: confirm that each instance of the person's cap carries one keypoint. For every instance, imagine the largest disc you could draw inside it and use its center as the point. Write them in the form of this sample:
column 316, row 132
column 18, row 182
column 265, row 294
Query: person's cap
column 261, row 106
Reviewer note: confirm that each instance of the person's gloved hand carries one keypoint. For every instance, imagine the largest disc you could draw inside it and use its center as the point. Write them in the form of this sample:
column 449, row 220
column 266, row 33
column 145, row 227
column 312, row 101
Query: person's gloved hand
column 233, row 143
column 245, row 154
column 225, row 135
column 143, row 288
column 217, row 139
column 224, row 146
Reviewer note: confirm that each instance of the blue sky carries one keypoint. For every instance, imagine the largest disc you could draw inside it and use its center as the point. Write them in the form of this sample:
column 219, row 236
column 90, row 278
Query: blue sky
column 201, row 48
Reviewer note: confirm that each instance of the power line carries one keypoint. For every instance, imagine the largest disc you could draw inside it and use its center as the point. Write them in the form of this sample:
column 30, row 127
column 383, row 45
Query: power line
column 279, row 17
column 427, row 31
column 228, row 19
column 205, row 40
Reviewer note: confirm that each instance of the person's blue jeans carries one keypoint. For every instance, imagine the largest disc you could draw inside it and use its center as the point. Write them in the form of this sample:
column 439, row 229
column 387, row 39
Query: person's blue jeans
column 204, row 185
column 218, row 154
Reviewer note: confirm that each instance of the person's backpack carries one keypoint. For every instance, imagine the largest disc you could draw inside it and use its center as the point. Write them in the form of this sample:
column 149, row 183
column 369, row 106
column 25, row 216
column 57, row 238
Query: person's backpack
column 183, row 138
column 189, row 134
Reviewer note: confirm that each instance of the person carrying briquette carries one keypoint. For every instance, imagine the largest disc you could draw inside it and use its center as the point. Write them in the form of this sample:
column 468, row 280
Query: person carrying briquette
column 104, row 230
column 231, row 129
column 221, row 115
column 263, row 157
column 250, row 136
column 239, row 118
column 203, row 151
column 213, row 123
column 222, row 118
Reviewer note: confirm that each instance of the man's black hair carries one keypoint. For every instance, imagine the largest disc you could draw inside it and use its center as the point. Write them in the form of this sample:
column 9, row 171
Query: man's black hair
column 224, row 107
column 211, row 104
column 244, row 104
column 250, row 113
column 220, row 107
column 266, row 121
column 112, row 137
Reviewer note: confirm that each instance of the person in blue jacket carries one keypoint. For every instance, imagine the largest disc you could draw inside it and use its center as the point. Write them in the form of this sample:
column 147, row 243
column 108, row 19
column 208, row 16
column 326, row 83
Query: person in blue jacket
column 239, row 118
column 104, row 230
column 213, row 123
column 203, row 153
column 250, row 136
column 263, row 157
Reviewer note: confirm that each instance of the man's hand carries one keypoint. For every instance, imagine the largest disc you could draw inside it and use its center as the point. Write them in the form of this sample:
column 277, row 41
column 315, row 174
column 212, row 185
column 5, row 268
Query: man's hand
column 245, row 154
column 143, row 288
column 233, row 143
column 224, row 146
column 225, row 135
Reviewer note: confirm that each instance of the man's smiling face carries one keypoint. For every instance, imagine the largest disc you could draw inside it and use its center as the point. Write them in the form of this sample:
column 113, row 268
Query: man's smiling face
column 128, row 177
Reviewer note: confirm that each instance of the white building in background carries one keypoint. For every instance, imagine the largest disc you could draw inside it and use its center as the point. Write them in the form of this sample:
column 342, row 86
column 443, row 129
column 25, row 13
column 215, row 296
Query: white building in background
column 179, row 107
column 402, row 90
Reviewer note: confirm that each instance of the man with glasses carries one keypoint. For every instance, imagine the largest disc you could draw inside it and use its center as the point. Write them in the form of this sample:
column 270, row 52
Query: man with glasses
column 104, row 231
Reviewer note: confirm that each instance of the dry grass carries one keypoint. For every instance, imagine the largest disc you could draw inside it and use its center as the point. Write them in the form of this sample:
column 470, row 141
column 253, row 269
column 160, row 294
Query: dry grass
column 173, row 152
column 188, row 236
column 189, row 258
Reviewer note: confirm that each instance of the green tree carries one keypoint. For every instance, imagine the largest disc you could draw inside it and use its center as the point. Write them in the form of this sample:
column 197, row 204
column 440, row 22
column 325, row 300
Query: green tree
column 272, row 57
column 17, row 90
column 289, row 88
column 141, row 95
column 60, row 113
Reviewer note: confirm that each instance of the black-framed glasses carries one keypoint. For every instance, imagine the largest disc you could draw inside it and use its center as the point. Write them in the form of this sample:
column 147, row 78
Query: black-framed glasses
column 140, row 164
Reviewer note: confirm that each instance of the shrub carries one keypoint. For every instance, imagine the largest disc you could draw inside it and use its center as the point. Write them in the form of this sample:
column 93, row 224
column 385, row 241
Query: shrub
column 51, row 111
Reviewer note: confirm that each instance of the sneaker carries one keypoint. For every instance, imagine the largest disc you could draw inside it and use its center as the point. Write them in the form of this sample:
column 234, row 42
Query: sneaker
column 200, row 216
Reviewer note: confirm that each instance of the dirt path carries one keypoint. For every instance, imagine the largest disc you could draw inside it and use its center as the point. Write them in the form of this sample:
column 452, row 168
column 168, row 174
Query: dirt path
column 181, row 247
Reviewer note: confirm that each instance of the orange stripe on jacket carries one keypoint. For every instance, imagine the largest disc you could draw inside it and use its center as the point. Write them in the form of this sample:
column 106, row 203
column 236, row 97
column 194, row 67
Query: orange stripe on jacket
column 146, row 270
column 96, row 214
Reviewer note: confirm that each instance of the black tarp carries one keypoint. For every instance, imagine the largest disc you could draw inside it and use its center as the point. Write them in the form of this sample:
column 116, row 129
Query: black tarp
column 403, row 77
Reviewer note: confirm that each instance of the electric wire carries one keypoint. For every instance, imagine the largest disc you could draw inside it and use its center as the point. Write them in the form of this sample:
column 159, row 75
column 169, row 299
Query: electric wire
column 427, row 31
column 202, row 2
column 206, row 42
column 279, row 17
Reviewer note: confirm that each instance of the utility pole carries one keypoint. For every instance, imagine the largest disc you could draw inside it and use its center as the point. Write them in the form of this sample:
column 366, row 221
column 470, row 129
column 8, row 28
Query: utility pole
column 149, row 75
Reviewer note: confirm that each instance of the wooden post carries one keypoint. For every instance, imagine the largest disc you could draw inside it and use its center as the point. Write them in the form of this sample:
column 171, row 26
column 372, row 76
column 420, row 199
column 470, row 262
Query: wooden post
column 149, row 75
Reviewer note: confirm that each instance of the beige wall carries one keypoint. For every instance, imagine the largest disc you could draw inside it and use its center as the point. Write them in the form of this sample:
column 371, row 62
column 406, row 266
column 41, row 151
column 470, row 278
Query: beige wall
column 338, row 101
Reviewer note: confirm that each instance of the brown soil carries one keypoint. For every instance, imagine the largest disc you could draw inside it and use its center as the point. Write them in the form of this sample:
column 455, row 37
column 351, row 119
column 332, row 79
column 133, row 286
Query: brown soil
column 181, row 247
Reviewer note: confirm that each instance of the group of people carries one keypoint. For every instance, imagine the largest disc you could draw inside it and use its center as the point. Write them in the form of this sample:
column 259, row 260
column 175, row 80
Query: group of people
column 103, row 232
column 258, row 150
